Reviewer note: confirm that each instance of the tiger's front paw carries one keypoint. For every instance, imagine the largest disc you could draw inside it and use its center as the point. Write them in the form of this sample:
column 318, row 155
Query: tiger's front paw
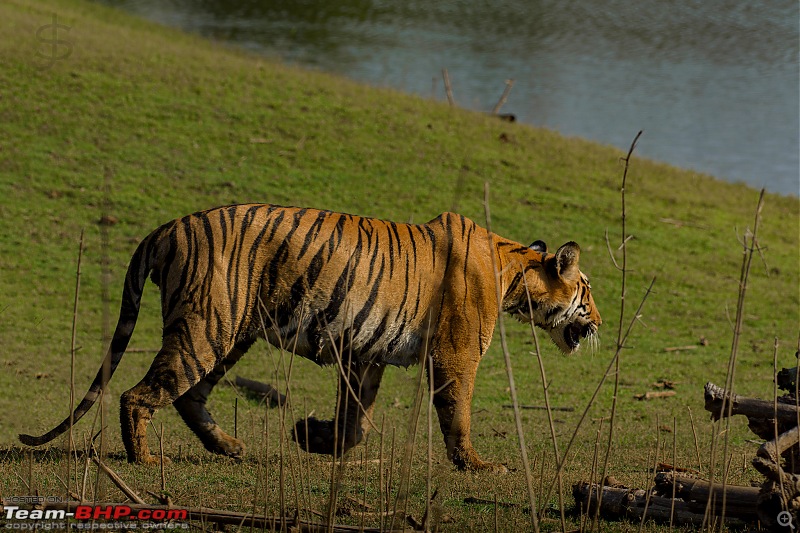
column 467, row 459
column 152, row 460
column 226, row 445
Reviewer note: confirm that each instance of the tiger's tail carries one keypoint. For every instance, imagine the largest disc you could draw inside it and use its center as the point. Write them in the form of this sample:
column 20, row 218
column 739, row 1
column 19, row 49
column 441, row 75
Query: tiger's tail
column 138, row 269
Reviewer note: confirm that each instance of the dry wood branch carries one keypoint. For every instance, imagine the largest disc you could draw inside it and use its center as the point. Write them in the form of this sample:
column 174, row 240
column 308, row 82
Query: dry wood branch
column 680, row 348
column 503, row 97
column 119, row 482
column 447, row 88
column 759, row 413
column 472, row 500
column 773, row 449
column 655, row 394
column 541, row 408
column 682, row 223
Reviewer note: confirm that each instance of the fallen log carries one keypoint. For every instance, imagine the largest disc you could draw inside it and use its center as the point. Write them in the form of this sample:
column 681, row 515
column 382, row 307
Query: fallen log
column 740, row 502
column 620, row 503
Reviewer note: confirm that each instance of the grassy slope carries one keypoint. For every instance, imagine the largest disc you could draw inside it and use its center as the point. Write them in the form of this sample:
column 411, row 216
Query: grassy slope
column 176, row 124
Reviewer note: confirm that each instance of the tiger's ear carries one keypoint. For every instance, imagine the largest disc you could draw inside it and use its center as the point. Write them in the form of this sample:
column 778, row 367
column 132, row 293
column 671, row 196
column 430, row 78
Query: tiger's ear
column 567, row 260
column 538, row 246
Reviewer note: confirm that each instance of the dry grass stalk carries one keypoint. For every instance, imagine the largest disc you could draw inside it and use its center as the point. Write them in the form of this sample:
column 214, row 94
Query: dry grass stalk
column 501, row 327
column 447, row 88
column 621, row 337
column 546, row 394
column 503, row 97
column 696, row 442
column 623, row 289
column 72, row 350
column 655, row 466
column 748, row 250
column 401, row 499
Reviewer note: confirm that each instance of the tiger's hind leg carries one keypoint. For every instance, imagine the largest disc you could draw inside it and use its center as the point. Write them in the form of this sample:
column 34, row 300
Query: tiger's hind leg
column 185, row 358
column 353, row 414
column 192, row 408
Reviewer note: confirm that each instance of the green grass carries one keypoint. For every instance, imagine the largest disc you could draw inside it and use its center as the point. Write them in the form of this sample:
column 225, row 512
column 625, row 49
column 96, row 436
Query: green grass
column 176, row 124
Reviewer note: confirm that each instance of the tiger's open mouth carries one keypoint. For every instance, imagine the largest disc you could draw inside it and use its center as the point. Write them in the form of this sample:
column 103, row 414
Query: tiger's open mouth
column 575, row 332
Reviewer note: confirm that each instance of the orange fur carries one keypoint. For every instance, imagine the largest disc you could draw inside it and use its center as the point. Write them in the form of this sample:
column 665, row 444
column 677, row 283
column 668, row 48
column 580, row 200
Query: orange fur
column 339, row 289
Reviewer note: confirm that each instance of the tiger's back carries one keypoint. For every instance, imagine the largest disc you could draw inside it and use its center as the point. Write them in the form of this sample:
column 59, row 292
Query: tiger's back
column 315, row 281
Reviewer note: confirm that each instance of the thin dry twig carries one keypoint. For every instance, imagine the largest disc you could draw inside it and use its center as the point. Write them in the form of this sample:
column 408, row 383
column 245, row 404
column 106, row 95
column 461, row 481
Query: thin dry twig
column 747, row 256
column 118, row 481
column 509, row 372
column 501, row 102
column 72, row 351
column 447, row 88
column 405, row 471
column 617, row 357
column 549, row 410
column 611, row 363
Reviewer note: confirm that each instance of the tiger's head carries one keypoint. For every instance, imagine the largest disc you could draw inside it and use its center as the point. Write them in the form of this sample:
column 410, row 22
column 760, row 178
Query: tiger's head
column 558, row 297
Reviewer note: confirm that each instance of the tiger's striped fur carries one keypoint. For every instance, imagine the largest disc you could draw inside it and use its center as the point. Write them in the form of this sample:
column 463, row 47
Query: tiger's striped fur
column 338, row 289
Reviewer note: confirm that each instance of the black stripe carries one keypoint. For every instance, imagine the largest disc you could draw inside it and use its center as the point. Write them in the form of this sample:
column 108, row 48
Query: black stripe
column 432, row 237
column 413, row 242
column 343, row 284
column 223, row 228
column 518, row 250
column 254, row 248
column 335, row 239
column 391, row 252
column 302, row 286
column 366, row 225
column 392, row 345
column 274, row 266
column 376, row 252
column 167, row 307
column 276, row 223
column 405, row 291
column 512, row 287
column 312, row 233
column 377, row 334
column 468, row 239
column 363, row 313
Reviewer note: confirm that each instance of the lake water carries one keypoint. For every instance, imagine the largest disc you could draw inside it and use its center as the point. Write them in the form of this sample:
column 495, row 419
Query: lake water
column 714, row 85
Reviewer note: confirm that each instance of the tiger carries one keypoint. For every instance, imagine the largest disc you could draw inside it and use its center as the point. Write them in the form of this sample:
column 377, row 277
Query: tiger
column 356, row 292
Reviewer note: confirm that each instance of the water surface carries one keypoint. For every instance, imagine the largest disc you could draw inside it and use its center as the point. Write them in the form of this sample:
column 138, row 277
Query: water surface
column 714, row 85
